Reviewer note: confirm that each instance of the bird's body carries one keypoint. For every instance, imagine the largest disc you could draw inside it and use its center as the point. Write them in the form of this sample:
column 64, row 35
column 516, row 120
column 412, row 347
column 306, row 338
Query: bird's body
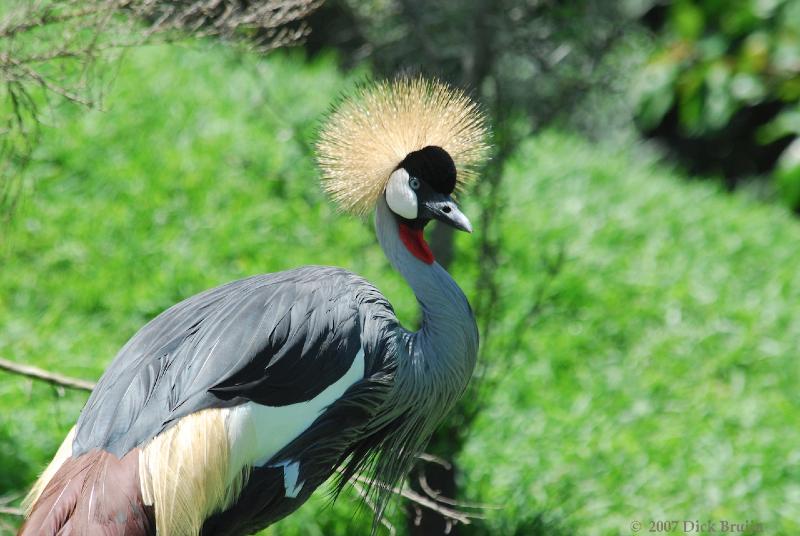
column 225, row 412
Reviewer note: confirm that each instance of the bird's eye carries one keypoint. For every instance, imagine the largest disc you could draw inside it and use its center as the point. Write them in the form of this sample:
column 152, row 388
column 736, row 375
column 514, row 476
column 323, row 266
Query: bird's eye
column 414, row 183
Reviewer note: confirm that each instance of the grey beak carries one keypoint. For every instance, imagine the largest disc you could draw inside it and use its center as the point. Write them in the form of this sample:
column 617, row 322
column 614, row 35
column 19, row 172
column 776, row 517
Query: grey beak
column 445, row 210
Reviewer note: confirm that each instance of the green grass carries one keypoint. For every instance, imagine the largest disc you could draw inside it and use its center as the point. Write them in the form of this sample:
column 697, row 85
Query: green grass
column 659, row 382
column 656, row 381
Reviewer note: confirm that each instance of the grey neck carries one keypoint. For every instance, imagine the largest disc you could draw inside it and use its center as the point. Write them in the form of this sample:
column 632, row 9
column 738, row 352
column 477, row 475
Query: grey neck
column 447, row 341
column 433, row 365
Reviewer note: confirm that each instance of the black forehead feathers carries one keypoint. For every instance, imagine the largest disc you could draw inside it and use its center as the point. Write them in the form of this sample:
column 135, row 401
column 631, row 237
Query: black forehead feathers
column 433, row 165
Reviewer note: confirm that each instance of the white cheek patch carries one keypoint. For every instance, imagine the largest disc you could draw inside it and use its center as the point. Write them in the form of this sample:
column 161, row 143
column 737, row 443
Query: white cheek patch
column 399, row 195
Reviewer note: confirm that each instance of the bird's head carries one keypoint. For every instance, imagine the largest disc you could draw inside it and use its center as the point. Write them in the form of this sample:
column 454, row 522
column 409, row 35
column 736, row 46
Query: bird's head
column 419, row 191
column 414, row 142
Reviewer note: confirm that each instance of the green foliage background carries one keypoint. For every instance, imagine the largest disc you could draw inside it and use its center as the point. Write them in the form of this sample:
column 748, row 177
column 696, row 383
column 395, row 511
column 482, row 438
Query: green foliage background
column 643, row 364
column 717, row 57
column 727, row 74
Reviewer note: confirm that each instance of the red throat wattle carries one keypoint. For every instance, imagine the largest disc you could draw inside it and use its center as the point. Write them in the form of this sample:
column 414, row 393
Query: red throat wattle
column 415, row 243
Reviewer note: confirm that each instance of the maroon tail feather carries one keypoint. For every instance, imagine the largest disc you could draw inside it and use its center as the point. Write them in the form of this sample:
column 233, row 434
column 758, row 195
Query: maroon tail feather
column 95, row 494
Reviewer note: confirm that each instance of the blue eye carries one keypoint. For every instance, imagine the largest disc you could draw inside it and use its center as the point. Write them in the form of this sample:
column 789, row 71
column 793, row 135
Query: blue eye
column 414, row 183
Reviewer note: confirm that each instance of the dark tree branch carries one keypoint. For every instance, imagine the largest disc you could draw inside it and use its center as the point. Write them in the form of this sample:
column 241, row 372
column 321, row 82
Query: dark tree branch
column 45, row 376
column 10, row 510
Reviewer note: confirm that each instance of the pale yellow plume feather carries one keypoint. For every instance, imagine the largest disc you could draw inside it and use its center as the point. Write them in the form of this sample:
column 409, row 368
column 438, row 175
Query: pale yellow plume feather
column 187, row 474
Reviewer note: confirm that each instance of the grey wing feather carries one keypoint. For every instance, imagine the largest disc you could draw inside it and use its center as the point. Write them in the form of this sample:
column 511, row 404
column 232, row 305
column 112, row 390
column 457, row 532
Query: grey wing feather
column 275, row 339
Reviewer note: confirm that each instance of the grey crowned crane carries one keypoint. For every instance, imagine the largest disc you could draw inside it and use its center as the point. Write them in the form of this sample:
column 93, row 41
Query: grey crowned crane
column 224, row 413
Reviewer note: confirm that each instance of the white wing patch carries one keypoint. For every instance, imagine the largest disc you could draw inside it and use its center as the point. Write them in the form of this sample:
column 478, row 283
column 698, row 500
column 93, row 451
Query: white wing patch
column 291, row 472
column 256, row 433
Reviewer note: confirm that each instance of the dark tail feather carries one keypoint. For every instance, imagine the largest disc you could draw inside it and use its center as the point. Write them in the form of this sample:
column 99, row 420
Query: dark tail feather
column 93, row 494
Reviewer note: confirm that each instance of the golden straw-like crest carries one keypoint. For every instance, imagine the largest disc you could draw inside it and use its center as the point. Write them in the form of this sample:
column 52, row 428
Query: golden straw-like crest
column 368, row 134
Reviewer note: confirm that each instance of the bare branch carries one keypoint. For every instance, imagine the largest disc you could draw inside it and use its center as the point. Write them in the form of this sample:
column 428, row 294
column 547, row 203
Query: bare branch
column 45, row 376
column 28, row 72
column 11, row 511
column 438, row 497
column 369, row 502
column 45, row 17
column 438, row 460
column 425, row 502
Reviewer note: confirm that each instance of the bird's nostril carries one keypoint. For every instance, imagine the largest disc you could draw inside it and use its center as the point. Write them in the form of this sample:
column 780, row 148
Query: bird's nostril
column 446, row 210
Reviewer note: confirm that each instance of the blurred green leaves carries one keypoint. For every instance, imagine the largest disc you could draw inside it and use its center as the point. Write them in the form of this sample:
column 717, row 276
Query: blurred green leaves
column 658, row 378
column 716, row 59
